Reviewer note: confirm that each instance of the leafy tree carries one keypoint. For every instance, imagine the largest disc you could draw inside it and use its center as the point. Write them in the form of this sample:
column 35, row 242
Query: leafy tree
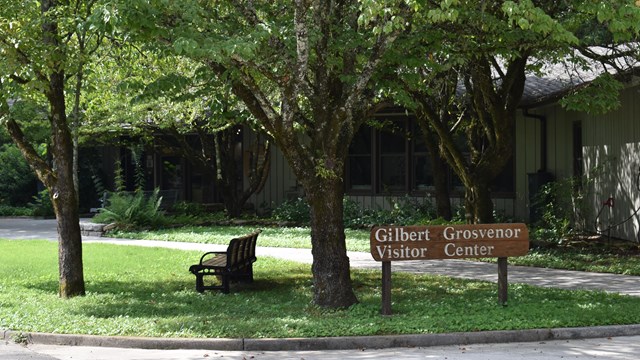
column 304, row 70
column 39, row 49
column 487, row 49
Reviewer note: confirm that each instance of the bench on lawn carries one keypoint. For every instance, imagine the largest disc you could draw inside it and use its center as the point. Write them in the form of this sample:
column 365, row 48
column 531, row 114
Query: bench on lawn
column 235, row 264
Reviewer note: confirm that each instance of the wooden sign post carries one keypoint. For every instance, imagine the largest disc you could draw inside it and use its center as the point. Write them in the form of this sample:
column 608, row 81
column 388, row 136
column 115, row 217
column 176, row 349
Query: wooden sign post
column 401, row 243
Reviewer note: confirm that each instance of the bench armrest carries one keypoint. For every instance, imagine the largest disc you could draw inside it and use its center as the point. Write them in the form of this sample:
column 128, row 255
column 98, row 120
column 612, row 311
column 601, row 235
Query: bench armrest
column 212, row 253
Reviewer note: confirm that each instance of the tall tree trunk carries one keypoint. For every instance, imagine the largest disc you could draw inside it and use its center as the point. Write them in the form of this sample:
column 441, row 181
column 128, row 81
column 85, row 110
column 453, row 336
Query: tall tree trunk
column 62, row 189
column 331, row 271
column 63, row 195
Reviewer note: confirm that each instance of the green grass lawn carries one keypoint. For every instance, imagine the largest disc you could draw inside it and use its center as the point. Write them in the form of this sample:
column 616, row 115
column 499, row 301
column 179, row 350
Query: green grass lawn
column 141, row 291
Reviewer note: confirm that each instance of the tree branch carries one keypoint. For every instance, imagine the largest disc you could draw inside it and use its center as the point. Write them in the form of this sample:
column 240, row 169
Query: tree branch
column 302, row 48
column 39, row 165
column 250, row 93
column 241, row 63
column 615, row 58
column 24, row 59
column 381, row 45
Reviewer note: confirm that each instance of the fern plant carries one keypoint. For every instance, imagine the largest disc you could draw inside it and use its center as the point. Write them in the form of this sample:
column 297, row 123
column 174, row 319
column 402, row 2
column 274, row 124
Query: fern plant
column 132, row 210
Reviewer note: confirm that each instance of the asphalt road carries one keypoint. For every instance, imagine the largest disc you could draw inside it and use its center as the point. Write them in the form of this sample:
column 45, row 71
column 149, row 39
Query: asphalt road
column 622, row 348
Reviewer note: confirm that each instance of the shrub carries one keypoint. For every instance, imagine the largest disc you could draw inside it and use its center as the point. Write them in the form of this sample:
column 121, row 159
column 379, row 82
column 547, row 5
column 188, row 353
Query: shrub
column 132, row 210
column 15, row 211
column 405, row 211
column 297, row 211
column 563, row 209
column 354, row 214
column 17, row 180
column 188, row 213
column 42, row 205
column 188, row 208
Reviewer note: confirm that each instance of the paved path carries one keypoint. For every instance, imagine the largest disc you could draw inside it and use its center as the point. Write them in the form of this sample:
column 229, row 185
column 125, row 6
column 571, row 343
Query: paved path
column 584, row 343
column 619, row 348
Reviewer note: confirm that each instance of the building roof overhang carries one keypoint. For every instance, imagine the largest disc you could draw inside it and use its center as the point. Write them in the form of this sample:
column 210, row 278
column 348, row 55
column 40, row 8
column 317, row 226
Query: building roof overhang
column 554, row 80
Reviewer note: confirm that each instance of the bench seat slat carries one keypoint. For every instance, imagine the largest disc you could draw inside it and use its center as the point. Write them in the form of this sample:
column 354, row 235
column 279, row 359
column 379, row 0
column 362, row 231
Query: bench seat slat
column 218, row 261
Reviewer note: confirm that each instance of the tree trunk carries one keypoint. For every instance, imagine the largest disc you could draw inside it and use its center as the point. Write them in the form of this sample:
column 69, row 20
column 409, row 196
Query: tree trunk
column 442, row 194
column 63, row 194
column 478, row 203
column 439, row 170
column 331, row 271
column 62, row 189
column 69, row 241
column 229, row 176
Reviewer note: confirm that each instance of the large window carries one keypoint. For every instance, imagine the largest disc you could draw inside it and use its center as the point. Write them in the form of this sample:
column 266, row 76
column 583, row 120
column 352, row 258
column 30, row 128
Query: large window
column 392, row 174
column 421, row 172
column 393, row 159
column 359, row 166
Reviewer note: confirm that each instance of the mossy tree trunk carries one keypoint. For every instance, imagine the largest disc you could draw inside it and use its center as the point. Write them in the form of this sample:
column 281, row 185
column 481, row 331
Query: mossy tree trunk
column 331, row 271
column 58, row 175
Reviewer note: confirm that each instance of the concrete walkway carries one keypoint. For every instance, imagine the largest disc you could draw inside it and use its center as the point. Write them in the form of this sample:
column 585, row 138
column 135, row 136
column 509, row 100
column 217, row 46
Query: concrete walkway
column 528, row 344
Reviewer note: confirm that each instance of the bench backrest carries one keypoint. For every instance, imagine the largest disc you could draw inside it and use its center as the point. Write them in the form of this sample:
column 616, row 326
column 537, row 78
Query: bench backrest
column 242, row 250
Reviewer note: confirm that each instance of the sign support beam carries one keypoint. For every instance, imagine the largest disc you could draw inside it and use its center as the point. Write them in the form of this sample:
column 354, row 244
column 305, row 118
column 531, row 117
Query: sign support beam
column 386, row 288
column 502, row 281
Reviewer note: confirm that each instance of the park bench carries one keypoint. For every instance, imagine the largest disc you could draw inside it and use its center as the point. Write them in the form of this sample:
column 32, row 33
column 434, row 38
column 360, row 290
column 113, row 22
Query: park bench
column 235, row 264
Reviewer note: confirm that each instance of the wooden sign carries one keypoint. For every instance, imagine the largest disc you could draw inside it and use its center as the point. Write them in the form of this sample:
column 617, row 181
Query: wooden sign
column 396, row 243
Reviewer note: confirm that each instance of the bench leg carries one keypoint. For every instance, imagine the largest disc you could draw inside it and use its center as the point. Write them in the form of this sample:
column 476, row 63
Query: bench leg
column 246, row 275
column 225, row 283
column 199, row 283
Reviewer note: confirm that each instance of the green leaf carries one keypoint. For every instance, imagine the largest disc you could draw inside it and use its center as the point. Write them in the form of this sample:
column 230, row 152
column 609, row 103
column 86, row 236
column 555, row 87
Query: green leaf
column 599, row 97
column 524, row 24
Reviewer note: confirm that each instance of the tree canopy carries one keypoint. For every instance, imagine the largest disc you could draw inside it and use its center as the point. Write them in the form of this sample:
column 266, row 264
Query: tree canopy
column 304, row 70
column 466, row 68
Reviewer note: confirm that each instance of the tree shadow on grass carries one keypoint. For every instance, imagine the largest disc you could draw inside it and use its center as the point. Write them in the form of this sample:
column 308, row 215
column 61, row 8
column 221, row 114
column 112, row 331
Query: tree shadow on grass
column 176, row 291
column 147, row 296
column 281, row 306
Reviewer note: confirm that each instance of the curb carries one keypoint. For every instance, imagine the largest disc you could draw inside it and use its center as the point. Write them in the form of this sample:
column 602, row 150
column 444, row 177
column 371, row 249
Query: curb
column 328, row 343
